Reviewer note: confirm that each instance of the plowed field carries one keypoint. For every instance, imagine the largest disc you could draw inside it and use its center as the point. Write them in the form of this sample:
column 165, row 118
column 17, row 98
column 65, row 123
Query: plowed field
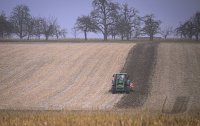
column 59, row 76
column 176, row 79
column 78, row 76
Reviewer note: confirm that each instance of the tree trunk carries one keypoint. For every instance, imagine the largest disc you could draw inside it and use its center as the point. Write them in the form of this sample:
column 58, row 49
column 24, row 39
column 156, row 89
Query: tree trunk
column 184, row 36
column 105, row 23
column 127, row 37
column 85, row 33
column 151, row 37
column 105, row 36
column 190, row 36
column 47, row 37
column 1, row 35
column 122, row 37
column 130, row 35
column 197, row 37
column 165, row 37
column 28, row 37
column 20, row 36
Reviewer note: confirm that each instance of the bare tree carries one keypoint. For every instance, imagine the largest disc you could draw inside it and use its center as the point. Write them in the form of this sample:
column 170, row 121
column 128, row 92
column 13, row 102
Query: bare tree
column 74, row 31
column 19, row 19
column 57, row 31
column 63, row 33
column 136, row 26
column 181, row 31
column 189, row 27
column 127, row 21
column 30, row 27
column 166, row 31
column 48, row 27
column 186, row 30
column 137, row 30
column 112, row 30
column 121, row 27
column 5, row 26
column 38, row 26
column 85, row 24
column 196, row 22
column 152, row 26
column 102, row 13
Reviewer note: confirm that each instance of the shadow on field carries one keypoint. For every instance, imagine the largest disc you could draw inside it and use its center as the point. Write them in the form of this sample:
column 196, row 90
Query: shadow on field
column 180, row 105
column 139, row 66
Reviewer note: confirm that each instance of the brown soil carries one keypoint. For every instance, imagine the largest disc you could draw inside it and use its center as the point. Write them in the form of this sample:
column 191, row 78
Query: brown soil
column 139, row 66
column 176, row 79
column 59, row 76
column 78, row 76
column 167, row 77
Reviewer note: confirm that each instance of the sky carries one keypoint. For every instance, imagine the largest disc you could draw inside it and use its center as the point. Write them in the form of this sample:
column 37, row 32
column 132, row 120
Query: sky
column 170, row 12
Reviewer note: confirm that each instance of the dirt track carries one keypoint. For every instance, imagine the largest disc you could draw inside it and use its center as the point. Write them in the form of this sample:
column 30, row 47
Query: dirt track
column 59, row 76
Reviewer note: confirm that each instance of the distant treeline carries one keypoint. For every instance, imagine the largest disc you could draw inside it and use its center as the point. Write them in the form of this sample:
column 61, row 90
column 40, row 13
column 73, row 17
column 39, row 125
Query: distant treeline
column 190, row 28
column 109, row 18
column 23, row 25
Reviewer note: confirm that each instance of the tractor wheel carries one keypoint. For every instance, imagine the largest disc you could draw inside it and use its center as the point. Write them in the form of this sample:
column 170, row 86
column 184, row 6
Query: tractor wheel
column 127, row 90
column 113, row 90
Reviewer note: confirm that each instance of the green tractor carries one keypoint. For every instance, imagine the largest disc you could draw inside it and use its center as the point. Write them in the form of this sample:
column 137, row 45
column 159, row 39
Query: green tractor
column 121, row 83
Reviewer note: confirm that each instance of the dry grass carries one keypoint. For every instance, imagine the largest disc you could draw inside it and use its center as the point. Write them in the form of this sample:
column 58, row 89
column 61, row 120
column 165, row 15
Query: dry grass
column 77, row 118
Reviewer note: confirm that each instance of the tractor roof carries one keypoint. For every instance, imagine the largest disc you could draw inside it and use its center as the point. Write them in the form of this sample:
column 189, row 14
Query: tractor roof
column 121, row 73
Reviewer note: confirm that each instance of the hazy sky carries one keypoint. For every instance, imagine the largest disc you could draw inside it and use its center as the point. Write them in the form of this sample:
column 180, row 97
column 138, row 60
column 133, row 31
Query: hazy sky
column 170, row 12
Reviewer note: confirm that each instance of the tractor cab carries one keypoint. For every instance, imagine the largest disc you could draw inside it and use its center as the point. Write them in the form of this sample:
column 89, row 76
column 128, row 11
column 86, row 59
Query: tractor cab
column 120, row 83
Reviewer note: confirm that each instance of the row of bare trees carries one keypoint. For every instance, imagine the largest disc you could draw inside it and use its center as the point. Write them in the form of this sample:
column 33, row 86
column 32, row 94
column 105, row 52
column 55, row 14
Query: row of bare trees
column 191, row 28
column 23, row 25
column 113, row 19
column 107, row 17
